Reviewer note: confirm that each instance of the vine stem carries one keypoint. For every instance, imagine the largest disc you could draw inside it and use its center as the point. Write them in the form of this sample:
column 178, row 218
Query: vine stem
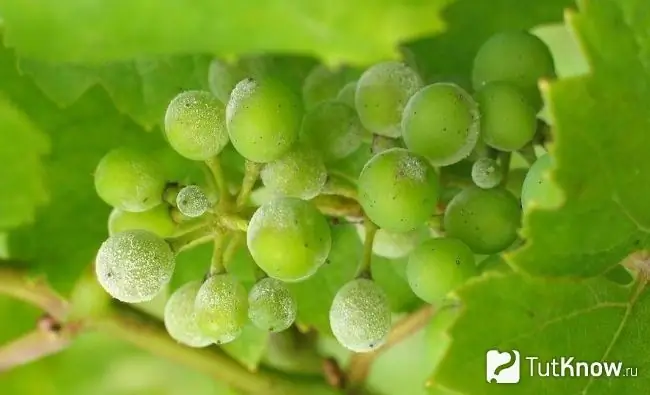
column 214, row 164
column 251, row 174
column 360, row 364
column 370, row 230
column 128, row 324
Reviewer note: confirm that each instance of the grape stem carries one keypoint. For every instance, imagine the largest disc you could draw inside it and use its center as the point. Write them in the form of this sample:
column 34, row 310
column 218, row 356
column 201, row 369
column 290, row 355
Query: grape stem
column 251, row 174
column 232, row 222
column 214, row 164
column 504, row 159
column 370, row 230
column 338, row 206
column 191, row 239
column 124, row 322
column 360, row 364
column 528, row 153
column 341, row 187
column 217, row 264
column 234, row 242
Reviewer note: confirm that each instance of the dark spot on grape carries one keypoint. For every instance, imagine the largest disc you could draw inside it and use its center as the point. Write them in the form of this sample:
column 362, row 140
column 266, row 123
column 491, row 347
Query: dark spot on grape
column 218, row 341
column 109, row 274
column 637, row 242
column 457, row 261
column 327, row 261
column 530, row 313
column 271, row 329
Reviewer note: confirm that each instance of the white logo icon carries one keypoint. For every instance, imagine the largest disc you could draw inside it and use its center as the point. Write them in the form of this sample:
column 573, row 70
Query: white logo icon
column 503, row 367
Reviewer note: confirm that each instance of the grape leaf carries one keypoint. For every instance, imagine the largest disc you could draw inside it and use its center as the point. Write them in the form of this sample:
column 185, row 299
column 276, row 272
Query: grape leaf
column 592, row 321
column 141, row 88
column 315, row 295
column 22, row 184
column 449, row 56
column 339, row 31
column 602, row 172
column 249, row 348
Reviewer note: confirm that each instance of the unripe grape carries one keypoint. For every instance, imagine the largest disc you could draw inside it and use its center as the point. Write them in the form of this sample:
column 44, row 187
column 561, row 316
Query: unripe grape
column 441, row 123
column 398, row 190
column 192, row 201
column 360, row 316
column 263, row 119
column 486, row 173
column 133, row 266
column 323, row 83
column 157, row 220
column 271, row 305
column 221, row 308
column 129, row 179
column 438, row 266
column 299, row 173
column 538, row 189
column 333, row 129
column 392, row 245
column 289, row 239
column 347, row 93
column 195, row 125
column 180, row 318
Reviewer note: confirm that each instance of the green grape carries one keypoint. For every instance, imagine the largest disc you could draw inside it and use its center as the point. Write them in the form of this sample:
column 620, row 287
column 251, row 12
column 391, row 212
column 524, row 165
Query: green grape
column 516, row 181
column 439, row 266
column 486, row 173
column 382, row 92
column 516, row 57
column 299, row 173
column 392, row 245
column 441, row 123
column 508, row 122
column 398, row 190
column 192, row 201
column 157, row 220
column 180, row 318
column 133, row 266
column 271, row 305
column 347, row 93
column 333, row 129
column 221, row 308
column 130, row 180
column 195, row 125
column 538, row 189
column 263, row 119
column 289, row 239
column 323, row 83
column 222, row 78
column 486, row 220
column 494, row 263
column 360, row 316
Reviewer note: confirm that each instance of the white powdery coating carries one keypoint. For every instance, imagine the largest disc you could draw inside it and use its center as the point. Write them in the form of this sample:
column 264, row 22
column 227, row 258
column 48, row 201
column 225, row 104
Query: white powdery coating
column 192, row 201
column 396, row 76
column 278, row 213
column 300, row 173
column 180, row 318
column 391, row 245
column 360, row 316
column 221, row 308
column 195, row 125
column 239, row 95
column 271, row 305
column 134, row 265
column 486, row 173
column 412, row 168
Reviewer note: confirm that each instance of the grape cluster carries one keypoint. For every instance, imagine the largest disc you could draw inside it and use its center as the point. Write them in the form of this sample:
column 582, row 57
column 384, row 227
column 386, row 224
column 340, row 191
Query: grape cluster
column 416, row 200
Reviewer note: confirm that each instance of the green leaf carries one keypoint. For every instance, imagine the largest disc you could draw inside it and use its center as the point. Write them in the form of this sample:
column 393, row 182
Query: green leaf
column 339, row 31
column 22, row 184
column 315, row 295
column 469, row 23
column 602, row 172
column 141, row 88
column 591, row 321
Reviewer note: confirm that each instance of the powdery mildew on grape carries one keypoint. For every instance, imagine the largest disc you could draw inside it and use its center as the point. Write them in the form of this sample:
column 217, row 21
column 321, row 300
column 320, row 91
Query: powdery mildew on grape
column 242, row 91
column 271, row 305
column 486, row 173
column 180, row 317
column 278, row 213
column 134, row 265
column 300, row 173
column 195, row 125
column 192, row 201
column 391, row 245
column 221, row 306
column 412, row 168
column 360, row 316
